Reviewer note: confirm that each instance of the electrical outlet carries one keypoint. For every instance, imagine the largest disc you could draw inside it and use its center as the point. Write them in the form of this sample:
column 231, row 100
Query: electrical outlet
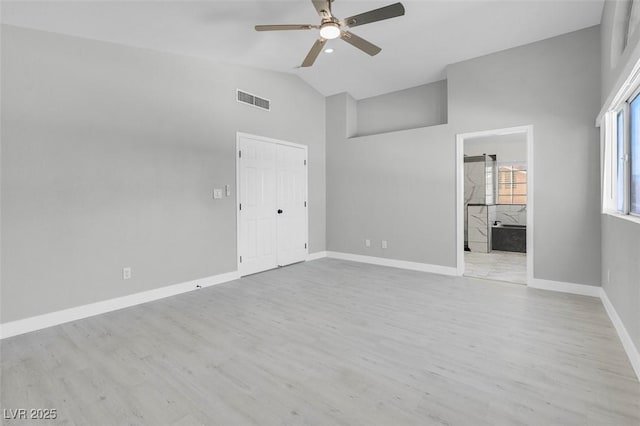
column 384, row 244
column 367, row 243
column 126, row 273
column 217, row 194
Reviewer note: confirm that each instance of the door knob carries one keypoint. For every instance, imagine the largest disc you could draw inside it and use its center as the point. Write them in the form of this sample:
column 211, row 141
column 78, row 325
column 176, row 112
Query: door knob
column 279, row 211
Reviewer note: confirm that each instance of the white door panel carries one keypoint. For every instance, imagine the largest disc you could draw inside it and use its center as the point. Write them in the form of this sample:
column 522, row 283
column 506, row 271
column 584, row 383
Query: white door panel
column 292, row 224
column 257, row 206
column 272, row 179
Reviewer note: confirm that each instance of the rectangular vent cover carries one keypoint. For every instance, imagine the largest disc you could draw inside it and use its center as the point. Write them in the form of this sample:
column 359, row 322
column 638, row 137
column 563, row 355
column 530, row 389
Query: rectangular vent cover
column 248, row 98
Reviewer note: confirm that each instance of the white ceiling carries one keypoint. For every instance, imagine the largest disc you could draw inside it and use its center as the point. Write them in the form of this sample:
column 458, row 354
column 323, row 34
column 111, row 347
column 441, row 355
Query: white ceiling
column 415, row 48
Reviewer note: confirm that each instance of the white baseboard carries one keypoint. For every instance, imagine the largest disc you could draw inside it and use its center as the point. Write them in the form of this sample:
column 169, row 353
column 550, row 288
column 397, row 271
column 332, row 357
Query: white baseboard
column 402, row 264
column 587, row 290
column 564, row 287
column 39, row 322
column 316, row 255
column 632, row 351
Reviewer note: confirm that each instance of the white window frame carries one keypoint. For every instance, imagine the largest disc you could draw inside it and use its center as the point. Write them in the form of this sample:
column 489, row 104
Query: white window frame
column 626, row 172
column 627, row 141
column 609, row 136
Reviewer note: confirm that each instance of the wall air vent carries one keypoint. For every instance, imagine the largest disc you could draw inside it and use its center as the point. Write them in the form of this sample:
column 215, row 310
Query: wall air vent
column 248, row 98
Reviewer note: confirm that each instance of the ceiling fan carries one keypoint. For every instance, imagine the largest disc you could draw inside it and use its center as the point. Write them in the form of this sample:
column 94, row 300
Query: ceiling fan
column 331, row 27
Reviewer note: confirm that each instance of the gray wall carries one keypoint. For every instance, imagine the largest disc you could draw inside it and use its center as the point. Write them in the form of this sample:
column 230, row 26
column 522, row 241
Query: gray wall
column 506, row 147
column 617, row 58
column 395, row 186
column 553, row 85
column 620, row 238
column 420, row 106
column 401, row 186
column 110, row 156
column 621, row 270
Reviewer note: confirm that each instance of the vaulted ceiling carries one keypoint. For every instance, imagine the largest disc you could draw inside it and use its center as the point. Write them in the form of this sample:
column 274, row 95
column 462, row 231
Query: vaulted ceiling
column 416, row 47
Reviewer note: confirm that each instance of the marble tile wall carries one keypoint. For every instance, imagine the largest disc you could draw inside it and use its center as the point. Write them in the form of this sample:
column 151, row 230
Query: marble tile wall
column 479, row 186
column 479, row 227
column 515, row 214
column 474, row 181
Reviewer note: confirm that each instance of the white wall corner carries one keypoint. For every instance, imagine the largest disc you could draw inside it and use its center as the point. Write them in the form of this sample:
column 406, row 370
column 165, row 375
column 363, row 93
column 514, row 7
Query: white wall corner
column 402, row 264
column 564, row 287
column 26, row 325
column 316, row 255
column 630, row 348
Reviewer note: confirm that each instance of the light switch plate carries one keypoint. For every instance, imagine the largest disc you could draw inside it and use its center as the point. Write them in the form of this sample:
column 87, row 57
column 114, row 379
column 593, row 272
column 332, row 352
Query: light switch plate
column 217, row 194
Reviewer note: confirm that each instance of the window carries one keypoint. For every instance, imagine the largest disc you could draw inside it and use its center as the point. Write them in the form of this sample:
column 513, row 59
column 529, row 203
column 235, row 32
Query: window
column 620, row 134
column 620, row 163
column 623, row 130
column 512, row 183
column 634, row 153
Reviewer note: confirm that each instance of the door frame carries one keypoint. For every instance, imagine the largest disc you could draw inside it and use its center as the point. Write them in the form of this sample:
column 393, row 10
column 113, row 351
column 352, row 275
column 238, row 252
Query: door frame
column 238, row 186
column 460, row 138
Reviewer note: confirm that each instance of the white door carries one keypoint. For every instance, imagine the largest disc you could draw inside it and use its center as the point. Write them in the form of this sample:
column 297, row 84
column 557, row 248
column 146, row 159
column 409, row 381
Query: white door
column 257, row 233
column 292, row 204
column 272, row 215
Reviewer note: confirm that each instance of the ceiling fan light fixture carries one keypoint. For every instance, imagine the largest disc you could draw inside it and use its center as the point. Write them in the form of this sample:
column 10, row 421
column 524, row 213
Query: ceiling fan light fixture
column 332, row 28
column 330, row 31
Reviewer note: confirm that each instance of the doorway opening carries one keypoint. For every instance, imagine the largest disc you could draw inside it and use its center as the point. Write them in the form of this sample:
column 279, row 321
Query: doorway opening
column 494, row 174
column 272, row 214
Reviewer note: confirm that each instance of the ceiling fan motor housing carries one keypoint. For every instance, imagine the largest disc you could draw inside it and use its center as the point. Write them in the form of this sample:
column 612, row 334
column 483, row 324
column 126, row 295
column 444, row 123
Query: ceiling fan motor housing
column 330, row 28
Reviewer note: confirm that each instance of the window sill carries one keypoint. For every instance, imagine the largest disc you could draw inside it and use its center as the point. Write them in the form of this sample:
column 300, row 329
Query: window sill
column 627, row 217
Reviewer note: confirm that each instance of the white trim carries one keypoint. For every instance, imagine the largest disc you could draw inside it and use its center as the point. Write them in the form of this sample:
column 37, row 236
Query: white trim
column 460, row 204
column 39, row 322
column 528, row 131
column 267, row 139
column 626, row 89
column 632, row 351
column 565, row 287
column 317, row 255
column 402, row 264
column 628, row 217
column 238, row 186
column 595, row 291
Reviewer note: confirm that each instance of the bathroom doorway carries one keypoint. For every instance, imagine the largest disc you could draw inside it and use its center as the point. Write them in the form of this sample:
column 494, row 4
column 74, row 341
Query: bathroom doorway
column 495, row 204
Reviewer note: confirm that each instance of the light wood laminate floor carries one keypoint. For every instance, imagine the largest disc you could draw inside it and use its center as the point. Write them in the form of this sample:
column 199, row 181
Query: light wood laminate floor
column 332, row 342
column 497, row 265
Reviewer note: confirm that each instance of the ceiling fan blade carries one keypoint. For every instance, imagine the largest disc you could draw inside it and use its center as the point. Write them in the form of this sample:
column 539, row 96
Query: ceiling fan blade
column 284, row 27
column 391, row 11
column 323, row 7
column 314, row 52
column 360, row 43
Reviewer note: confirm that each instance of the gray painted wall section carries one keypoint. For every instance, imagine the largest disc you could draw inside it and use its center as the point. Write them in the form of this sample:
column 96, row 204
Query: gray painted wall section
column 553, row 85
column 388, row 187
column 506, row 147
column 617, row 58
column 110, row 157
column 620, row 238
column 401, row 186
column 419, row 106
column 621, row 270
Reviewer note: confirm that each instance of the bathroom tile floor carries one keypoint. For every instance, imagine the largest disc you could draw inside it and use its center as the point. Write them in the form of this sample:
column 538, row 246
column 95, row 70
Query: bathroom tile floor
column 497, row 265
